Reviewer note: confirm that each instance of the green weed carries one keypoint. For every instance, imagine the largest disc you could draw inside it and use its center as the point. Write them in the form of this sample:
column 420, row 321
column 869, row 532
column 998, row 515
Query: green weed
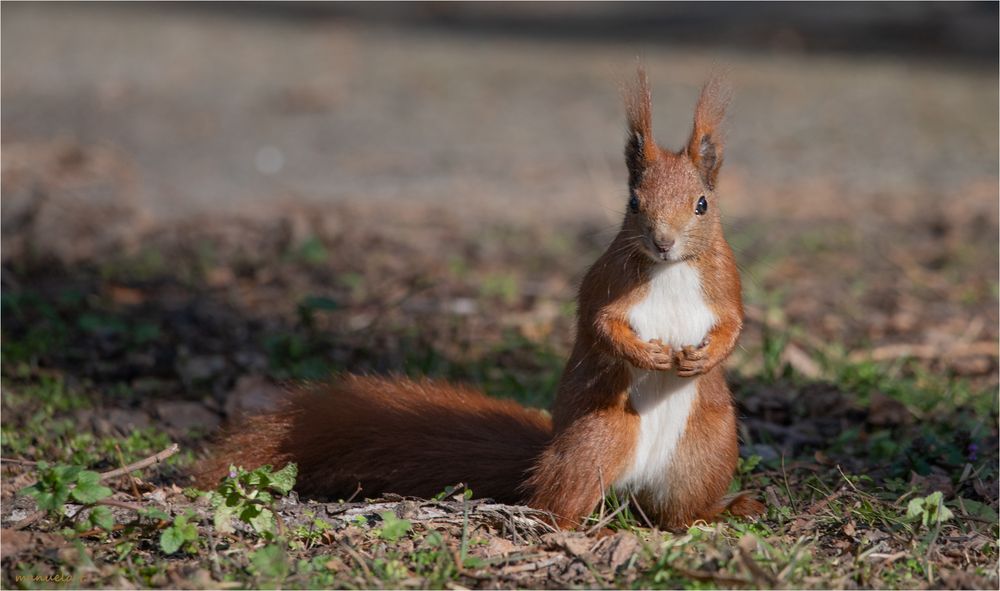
column 182, row 533
column 249, row 496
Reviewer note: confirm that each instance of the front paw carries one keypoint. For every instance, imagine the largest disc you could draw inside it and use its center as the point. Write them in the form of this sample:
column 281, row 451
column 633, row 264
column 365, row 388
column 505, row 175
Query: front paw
column 693, row 361
column 655, row 356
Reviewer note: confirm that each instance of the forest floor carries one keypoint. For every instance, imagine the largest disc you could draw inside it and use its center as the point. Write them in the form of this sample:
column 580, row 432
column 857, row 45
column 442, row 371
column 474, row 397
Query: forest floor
column 184, row 237
column 866, row 382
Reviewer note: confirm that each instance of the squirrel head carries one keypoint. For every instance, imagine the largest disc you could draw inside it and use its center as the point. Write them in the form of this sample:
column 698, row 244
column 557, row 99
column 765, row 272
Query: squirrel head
column 671, row 214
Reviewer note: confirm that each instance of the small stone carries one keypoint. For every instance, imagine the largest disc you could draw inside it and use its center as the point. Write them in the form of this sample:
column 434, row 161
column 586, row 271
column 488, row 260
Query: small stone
column 886, row 411
column 200, row 369
column 186, row 415
column 766, row 452
column 125, row 420
column 159, row 496
column 463, row 306
column 19, row 514
column 252, row 394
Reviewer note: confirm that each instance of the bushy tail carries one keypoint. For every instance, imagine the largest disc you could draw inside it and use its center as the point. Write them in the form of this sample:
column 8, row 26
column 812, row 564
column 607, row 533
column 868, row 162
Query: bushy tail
column 387, row 435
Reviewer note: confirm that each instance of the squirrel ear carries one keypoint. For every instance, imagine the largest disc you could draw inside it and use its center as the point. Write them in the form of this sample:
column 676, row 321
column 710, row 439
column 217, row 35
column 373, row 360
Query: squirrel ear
column 705, row 146
column 639, row 145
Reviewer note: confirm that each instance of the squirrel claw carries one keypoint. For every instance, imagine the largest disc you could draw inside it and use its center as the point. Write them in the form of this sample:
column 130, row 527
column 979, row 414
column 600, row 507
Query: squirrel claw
column 694, row 353
column 662, row 365
column 659, row 357
column 692, row 361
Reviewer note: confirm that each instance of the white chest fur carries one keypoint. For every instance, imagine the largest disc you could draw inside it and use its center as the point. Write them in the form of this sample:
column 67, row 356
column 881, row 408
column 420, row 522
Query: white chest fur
column 674, row 311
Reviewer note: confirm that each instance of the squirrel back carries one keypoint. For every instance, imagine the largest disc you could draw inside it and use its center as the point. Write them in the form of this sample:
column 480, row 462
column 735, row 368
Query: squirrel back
column 412, row 438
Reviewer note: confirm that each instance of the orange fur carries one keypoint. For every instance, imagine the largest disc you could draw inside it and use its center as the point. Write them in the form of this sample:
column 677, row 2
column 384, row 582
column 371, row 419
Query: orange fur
column 415, row 438
column 388, row 435
column 706, row 458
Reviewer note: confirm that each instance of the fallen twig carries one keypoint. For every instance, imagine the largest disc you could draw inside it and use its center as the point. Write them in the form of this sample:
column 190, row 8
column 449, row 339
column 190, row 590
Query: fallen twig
column 888, row 559
column 532, row 565
column 723, row 580
column 99, row 530
column 923, row 351
column 120, row 505
column 801, row 361
column 642, row 513
column 597, row 526
column 356, row 492
column 17, row 461
column 788, row 491
column 39, row 514
column 131, row 481
column 174, row 448
column 144, row 463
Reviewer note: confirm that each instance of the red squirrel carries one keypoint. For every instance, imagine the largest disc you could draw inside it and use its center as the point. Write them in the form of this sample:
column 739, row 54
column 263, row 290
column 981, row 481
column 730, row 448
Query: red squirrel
column 642, row 406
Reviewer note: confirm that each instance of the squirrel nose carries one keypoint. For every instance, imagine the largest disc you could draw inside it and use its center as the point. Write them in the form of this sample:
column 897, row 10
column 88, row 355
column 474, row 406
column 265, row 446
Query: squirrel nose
column 664, row 244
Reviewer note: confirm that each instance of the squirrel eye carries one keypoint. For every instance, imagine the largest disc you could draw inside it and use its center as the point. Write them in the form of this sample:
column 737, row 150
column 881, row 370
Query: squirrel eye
column 633, row 204
column 702, row 206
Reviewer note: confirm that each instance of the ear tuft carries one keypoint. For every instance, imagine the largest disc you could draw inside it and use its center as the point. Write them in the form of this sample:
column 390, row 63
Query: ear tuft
column 639, row 144
column 705, row 146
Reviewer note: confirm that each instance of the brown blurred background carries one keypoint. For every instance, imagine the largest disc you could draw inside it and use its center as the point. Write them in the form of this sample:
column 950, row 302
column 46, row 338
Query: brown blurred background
column 840, row 110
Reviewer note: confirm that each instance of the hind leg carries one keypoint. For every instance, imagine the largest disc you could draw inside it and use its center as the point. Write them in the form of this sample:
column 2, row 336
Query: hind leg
column 583, row 460
column 703, row 467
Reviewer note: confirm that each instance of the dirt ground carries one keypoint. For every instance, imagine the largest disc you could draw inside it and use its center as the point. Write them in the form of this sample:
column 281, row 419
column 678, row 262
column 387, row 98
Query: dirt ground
column 199, row 207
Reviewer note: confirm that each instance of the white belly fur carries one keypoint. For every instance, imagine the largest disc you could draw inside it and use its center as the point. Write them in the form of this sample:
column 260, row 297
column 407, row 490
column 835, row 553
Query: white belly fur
column 675, row 312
